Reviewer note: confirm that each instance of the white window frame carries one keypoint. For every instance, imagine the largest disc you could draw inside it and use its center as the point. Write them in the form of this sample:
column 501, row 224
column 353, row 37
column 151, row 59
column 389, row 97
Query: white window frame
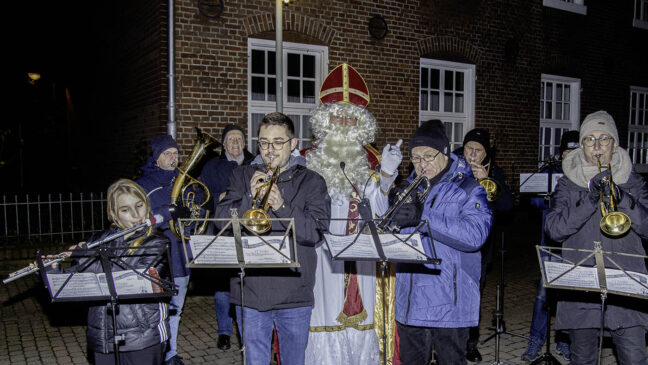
column 637, row 21
column 451, row 119
column 572, row 123
column 638, row 146
column 573, row 6
column 289, row 108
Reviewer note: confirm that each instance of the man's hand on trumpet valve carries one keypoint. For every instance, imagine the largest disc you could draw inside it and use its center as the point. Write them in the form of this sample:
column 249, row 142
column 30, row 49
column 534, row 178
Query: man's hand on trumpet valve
column 257, row 187
column 478, row 170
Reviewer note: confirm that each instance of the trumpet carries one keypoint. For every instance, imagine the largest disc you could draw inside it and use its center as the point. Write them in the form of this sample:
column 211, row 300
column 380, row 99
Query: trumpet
column 404, row 197
column 613, row 223
column 255, row 219
column 492, row 187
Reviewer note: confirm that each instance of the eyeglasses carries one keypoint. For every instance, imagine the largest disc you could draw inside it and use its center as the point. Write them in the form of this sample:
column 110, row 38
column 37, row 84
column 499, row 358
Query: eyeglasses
column 426, row 158
column 168, row 154
column 604, row 140
column 277, row 145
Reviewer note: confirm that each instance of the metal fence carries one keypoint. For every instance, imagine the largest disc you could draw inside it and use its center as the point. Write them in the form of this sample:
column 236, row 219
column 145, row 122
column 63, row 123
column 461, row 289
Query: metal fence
column 54, row 218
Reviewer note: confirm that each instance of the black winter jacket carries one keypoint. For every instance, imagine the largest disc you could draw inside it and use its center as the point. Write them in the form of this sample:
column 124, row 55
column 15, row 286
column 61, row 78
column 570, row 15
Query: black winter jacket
column 574, row 219
column 306, row 199
column 143, row 322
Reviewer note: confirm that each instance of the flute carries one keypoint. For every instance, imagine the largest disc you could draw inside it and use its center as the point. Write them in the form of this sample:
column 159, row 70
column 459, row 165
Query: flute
column 32, row 268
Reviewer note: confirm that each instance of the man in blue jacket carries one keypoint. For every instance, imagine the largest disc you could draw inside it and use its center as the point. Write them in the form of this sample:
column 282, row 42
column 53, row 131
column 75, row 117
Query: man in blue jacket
column 158, row 175
column 436, row 304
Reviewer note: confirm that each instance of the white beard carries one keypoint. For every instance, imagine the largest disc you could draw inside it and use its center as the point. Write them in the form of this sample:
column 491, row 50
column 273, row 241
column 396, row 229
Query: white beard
column 339, row 145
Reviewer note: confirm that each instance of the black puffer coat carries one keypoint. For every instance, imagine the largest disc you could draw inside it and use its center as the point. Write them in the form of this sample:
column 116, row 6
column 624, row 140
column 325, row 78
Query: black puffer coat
column 574, row 218
column 144, row 323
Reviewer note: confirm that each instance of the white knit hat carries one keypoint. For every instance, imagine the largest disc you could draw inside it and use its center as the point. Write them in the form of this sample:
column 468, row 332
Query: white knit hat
column 599, row 121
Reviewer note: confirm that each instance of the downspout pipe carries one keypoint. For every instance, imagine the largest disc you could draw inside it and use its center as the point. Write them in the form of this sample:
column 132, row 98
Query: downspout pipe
column 171, row 123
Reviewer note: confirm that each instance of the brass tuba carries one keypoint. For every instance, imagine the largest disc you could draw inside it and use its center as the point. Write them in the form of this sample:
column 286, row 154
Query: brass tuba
column 613, row 223
column 255, row 219
column 187, row 199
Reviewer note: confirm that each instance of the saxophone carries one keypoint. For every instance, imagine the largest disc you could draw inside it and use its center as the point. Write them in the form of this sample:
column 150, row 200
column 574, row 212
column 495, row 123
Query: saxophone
column 179, row 194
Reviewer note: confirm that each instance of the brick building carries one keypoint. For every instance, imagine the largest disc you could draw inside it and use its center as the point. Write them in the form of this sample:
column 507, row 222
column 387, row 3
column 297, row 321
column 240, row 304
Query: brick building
column 526, row 70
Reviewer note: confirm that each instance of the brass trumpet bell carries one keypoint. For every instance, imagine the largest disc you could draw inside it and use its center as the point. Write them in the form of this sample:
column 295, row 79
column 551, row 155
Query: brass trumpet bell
column 256, row 219
column 492, row 188
column 615, row 223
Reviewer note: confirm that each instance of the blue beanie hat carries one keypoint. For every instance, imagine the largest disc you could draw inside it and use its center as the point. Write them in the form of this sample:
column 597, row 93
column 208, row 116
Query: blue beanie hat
column 160, row 144
column 431, row 134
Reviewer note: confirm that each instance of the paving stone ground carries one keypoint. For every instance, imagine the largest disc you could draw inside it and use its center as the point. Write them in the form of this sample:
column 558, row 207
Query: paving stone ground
column 34, row 331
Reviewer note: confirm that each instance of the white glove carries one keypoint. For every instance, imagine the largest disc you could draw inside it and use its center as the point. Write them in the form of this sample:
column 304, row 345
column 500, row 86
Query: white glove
column 391, row 158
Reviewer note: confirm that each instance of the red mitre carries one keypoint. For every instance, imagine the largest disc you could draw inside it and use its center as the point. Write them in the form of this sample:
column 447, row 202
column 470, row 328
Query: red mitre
column 344, row 85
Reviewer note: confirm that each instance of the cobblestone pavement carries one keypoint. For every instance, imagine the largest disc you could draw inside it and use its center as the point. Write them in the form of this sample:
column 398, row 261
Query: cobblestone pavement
column 34, row 331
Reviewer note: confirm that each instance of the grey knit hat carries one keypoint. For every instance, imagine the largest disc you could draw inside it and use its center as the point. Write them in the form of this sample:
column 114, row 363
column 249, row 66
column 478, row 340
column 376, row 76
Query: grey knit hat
column 599, row 121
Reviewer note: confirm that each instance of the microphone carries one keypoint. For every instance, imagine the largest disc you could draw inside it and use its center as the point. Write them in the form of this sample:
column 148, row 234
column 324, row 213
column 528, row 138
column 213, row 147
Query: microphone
column 363, row 206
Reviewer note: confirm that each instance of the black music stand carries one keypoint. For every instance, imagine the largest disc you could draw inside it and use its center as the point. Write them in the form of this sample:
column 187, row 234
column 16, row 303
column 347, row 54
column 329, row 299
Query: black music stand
column 583, row 276
column 117, row 281
column 237, row 251
column 383, row 248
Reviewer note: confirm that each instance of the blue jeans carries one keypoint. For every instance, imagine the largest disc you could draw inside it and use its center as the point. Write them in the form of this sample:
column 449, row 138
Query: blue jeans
column 222, row 301
column 630, row 344
column 292, row 329
column 175, row 310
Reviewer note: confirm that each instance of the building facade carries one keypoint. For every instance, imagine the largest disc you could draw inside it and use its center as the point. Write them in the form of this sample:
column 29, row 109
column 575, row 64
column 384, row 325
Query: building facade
column 526, row 70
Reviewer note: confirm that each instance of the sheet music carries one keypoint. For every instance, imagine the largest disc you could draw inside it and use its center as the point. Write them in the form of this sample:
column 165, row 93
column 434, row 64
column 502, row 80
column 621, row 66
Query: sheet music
column 396, row 249
column 221, row 251
column 583, row 277
column 88, row 284
column 617, row 280
column 256, row 251
column 362, row 248
column 537, row 182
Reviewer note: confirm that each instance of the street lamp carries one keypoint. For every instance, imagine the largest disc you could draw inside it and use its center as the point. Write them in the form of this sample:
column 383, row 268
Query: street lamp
column 279, row 52
column 33, row 77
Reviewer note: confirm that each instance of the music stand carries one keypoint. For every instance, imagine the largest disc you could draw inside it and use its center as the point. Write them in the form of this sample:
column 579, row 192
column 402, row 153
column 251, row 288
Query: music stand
column 110, row 285
column 598, row 278
column 237, row 251
column 383, row 248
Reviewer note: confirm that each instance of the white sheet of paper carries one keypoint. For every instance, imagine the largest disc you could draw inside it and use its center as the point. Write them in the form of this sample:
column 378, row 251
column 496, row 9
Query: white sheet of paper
column 221, row 251
column 395, row 249
column 617, row 280
column 128, row 282
column 537, row 182
column 581, row 277
column 81, row 285
column 255, row 251
column 362, row 248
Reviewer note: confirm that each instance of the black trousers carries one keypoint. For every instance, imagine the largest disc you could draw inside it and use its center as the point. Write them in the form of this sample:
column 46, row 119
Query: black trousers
column 416, row 344
column 153, row 355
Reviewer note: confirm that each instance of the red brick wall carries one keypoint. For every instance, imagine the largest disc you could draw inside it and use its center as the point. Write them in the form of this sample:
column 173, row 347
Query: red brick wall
column 510, row 43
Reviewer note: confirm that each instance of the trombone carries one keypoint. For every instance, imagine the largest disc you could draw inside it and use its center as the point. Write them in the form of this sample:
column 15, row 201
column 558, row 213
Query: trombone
column 613, row 223
column 256, row 218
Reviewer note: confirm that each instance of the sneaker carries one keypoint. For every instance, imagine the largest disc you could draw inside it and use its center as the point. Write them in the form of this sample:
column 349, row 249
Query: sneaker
column 533, row 351
column 224, row 342
column 563, row 349
column 473, row 355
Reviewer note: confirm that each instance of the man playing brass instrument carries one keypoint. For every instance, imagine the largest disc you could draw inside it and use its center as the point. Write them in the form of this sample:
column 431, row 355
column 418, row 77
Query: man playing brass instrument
column 279, row 296
column 477, row 151
column 574, row 219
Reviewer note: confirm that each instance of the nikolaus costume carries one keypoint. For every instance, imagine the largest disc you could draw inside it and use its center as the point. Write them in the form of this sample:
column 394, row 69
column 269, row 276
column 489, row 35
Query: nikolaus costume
column 342, row 321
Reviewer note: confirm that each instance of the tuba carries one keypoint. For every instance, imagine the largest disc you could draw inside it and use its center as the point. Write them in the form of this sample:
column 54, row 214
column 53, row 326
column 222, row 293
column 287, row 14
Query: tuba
column 255, row 219
column 187, row 199
column 613, row 223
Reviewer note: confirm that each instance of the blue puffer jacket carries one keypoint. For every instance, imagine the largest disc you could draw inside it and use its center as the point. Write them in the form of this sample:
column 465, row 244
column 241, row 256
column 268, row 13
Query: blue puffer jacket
column 447, row 295
column 158, row 184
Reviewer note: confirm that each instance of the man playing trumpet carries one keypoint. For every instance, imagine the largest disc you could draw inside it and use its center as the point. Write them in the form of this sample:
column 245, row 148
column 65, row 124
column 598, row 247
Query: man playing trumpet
column 280, row 296
column 574, row 219
column 477, row 151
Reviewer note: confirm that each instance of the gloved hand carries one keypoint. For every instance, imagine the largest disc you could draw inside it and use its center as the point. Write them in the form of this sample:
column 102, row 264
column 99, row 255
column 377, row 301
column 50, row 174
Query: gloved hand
column 598, row 185
column 391, row 158
column 179, row 211
column 408, row 215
